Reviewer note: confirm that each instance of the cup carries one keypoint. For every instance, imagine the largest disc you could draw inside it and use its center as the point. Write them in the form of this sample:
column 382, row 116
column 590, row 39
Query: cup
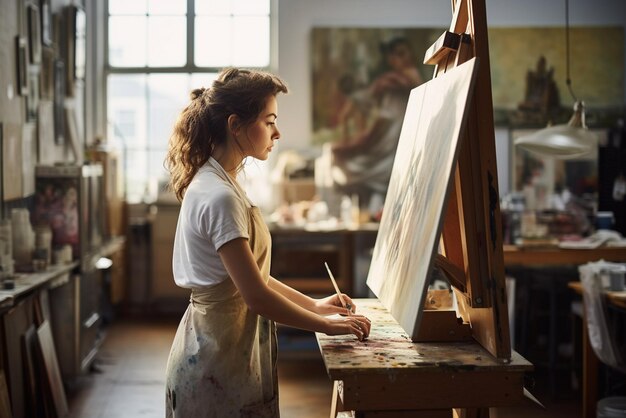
column 604, row 220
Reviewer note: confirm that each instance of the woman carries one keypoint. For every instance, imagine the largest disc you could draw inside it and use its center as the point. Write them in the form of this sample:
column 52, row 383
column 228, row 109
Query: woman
column 223, row 358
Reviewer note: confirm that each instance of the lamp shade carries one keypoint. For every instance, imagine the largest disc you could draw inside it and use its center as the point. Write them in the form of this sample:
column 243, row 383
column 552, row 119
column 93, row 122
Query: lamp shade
column 571, row 140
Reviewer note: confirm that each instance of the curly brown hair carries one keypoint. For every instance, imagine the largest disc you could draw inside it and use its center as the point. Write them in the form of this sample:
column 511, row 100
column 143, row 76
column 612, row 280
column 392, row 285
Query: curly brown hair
column 202, row 125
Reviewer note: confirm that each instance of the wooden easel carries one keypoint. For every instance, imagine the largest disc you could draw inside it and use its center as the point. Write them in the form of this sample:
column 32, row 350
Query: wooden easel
column 471, row 238
column 457, row 367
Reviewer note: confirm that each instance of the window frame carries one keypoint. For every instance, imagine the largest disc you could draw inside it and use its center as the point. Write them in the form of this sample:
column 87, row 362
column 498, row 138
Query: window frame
column 189, row 68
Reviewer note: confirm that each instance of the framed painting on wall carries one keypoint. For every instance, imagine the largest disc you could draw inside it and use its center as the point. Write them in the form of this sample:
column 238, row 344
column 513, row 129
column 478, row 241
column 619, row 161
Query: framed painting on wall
column 528, row 74
column 352, row 69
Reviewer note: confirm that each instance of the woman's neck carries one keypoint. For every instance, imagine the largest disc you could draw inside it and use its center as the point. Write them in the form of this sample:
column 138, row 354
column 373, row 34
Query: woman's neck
column 229, row 159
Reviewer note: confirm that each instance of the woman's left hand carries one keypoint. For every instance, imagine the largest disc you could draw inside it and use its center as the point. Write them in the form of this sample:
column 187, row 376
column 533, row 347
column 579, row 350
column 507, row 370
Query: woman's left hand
column 332, row 305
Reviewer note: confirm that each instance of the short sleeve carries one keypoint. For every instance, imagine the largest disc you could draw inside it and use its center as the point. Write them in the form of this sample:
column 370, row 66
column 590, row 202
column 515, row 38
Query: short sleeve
column 225, row 218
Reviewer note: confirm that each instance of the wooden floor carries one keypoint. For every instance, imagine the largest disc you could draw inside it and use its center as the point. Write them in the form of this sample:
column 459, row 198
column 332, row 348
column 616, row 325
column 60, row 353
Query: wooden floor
column 128, row 379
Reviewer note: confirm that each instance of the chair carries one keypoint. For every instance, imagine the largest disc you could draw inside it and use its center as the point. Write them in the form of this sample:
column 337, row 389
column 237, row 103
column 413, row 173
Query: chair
column 602, row 341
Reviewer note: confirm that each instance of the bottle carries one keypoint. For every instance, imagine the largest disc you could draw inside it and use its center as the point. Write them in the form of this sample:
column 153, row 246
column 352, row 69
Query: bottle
column 346, row 211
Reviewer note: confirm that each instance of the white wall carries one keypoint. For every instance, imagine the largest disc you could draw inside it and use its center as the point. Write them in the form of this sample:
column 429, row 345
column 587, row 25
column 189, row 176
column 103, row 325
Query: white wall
column 297, row 17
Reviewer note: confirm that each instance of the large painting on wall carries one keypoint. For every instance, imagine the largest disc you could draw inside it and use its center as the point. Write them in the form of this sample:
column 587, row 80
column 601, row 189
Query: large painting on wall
column 362, row 78
column 529, row 73
column 411, row 224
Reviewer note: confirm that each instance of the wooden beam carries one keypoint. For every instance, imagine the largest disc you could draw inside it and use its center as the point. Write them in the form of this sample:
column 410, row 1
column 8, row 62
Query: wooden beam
column 446, row 43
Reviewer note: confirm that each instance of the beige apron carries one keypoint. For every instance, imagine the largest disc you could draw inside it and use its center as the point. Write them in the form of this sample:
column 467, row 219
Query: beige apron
column 223, row 358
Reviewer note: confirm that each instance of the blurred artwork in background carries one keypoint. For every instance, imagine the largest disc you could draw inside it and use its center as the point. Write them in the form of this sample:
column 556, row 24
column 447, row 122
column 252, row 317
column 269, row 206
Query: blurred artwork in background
column 362, row 78
column 528, row 75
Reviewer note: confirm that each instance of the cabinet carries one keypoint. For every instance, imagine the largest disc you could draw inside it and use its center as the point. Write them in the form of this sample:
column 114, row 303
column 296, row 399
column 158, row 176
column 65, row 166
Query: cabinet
column 38, row 297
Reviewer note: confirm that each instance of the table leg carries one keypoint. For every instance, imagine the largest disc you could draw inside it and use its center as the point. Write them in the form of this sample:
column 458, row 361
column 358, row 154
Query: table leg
column 335, row 403
column 590, row 375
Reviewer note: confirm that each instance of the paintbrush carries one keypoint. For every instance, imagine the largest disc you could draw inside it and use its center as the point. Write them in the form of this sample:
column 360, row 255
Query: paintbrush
column 332, row 279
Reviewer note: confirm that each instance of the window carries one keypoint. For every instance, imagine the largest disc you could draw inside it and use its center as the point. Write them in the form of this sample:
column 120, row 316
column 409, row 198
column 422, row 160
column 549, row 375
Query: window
column 157, row 52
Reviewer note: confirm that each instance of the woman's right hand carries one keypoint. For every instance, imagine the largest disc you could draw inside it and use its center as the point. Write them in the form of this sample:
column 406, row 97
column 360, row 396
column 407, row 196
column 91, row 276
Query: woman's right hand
column 352, row 324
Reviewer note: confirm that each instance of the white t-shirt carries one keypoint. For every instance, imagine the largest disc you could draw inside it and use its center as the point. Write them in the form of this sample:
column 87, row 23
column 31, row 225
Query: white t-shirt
column 213, row 212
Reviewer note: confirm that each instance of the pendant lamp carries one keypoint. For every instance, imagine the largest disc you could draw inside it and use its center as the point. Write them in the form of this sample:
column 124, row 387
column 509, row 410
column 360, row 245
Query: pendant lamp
column 571, row 140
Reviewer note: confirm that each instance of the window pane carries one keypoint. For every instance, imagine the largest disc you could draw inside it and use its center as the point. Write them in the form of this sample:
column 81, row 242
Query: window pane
column 251, row 7
column 136, row 173
column 167, row 44
column 201, row 80
column 127, row 41
column 126, row 109
column 251, row 41
column 168, row 95
column 167, row 7
column 157, row 174
column 213, row 7
column 213, row 41
column 126, row 7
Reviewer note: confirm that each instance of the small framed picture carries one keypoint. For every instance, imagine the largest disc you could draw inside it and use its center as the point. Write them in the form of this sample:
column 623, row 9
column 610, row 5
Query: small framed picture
column 75, row 47
column 46, row 22
column 34, row 34
column 32, row 99
column 59, row 102
column 46, row 74
column 22, row 65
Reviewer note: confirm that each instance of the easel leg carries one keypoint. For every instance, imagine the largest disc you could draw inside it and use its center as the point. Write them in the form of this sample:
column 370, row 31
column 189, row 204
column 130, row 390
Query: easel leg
column 590, row 375
column 335, row 403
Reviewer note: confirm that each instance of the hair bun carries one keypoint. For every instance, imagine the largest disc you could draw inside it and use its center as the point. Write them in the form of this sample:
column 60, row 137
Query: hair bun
column 195, row 93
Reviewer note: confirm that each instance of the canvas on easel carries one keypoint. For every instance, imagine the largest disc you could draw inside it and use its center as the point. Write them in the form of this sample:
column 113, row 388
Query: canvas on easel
column 416, row 199
column 53, row 374
column 31, row 384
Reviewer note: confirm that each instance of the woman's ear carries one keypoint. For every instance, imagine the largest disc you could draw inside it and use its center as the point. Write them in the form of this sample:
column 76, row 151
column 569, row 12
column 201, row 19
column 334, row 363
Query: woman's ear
column 234, row 124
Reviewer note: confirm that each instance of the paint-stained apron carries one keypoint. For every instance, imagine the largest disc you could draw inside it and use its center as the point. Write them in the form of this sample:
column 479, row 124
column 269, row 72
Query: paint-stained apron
column 223, row 358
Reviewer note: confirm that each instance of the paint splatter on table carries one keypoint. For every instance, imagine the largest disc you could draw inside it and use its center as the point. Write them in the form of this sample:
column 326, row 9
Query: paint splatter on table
column 389, row 350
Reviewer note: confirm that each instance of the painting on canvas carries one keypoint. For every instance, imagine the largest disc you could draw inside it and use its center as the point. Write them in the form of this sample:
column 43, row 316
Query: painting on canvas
column 412, row 217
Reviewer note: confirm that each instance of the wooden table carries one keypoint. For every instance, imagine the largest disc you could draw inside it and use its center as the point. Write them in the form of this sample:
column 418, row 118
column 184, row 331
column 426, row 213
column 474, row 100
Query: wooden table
column 554, row 256
column 591, row 363
column 390, row 376
column 298, row 256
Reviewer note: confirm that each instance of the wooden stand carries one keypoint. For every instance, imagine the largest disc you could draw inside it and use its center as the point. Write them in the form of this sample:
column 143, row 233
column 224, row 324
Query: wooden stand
column 473, row 368
column 388, row 375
